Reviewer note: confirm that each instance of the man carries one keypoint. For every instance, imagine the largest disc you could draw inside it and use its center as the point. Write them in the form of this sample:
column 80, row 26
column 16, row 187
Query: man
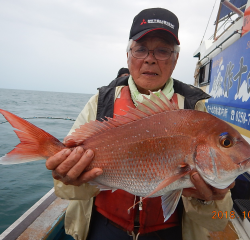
column 152, row 52
column 123, row 72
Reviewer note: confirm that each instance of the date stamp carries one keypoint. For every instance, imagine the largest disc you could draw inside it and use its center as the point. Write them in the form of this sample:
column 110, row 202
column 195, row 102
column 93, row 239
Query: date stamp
column 230, row 215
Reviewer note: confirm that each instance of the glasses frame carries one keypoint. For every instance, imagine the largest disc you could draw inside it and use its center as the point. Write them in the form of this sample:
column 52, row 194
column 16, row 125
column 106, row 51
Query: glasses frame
column 153, row 54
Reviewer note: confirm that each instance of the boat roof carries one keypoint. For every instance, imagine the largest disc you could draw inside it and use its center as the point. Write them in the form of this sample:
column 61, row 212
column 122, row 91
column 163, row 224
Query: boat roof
column 237, row 3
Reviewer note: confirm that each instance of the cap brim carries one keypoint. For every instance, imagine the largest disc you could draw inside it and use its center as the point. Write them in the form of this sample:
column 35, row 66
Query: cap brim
column 144, row 32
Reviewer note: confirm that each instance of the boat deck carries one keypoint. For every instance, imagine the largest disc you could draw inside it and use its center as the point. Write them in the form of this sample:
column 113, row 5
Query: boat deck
column 49, row 224
column 45, row 220
column 228, row 234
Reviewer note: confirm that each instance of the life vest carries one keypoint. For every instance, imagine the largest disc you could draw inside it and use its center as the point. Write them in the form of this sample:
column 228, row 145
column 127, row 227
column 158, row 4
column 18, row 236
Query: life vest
column 105, row 106
column 114, row 206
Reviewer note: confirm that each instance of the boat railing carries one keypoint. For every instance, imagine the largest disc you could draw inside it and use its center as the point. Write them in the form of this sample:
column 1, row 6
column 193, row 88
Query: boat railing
column 42, row 221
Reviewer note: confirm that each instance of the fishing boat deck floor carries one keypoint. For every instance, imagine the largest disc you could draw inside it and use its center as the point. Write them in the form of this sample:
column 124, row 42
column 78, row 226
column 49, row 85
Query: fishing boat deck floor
column 43, row 226
column 228, row 234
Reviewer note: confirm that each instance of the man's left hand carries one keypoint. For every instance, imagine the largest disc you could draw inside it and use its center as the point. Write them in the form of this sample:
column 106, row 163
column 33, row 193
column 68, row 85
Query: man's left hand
column 204, row 191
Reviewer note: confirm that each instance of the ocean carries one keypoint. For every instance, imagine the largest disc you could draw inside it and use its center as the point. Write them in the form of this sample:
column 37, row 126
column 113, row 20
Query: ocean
column 22, row 185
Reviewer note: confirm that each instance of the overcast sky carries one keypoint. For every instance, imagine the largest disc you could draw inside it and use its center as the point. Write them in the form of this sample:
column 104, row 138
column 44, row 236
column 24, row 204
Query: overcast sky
column 79, row 45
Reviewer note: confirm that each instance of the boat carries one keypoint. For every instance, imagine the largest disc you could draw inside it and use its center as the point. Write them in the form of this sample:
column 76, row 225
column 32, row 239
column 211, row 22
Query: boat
column 44, row 220
column 223, row 71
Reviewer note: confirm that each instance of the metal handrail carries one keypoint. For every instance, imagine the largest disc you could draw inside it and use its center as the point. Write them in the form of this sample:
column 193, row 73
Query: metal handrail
column 218, row 46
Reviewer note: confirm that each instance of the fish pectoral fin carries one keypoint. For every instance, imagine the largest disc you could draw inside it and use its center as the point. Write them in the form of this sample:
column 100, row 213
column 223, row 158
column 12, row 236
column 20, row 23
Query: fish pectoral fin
column 169, row 203
column 185, row 169
column 101, row 186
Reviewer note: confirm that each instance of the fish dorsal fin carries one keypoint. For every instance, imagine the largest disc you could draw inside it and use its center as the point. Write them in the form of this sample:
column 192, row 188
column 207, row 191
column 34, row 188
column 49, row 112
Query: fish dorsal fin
column 143, row 110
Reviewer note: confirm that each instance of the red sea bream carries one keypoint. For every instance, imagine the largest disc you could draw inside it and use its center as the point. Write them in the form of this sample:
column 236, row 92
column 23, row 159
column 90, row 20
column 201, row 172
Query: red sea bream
column 148, row 152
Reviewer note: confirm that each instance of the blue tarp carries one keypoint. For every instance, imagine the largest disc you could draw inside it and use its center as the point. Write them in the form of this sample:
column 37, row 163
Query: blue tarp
column 238, row 3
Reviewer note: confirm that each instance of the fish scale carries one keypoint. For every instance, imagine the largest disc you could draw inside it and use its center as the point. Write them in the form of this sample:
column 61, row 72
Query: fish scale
column 148, row 152
column 148, row 162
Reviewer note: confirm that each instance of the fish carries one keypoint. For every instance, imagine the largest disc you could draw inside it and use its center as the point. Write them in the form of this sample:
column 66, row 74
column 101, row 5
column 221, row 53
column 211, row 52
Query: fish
column 148, row 152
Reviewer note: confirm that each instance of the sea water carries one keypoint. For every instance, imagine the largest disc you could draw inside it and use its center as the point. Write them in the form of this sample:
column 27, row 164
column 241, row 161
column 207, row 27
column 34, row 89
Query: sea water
column 22, row 185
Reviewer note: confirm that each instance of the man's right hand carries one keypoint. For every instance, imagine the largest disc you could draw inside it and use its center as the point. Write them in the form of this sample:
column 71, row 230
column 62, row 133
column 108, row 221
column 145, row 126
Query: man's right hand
column 68, row 166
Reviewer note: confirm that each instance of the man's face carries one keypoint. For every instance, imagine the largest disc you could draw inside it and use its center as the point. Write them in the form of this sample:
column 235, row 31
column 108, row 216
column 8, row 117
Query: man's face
column 150, row 73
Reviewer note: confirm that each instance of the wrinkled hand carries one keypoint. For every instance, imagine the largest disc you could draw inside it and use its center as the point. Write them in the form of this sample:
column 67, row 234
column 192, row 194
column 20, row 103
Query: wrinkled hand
column 204, row 191
column 68, row 166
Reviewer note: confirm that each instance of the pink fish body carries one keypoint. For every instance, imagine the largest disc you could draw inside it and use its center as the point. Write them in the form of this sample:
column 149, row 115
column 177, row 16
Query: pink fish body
column 148, row 152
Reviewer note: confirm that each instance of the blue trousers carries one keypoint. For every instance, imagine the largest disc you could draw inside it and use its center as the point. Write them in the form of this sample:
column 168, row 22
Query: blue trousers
column 102, row 229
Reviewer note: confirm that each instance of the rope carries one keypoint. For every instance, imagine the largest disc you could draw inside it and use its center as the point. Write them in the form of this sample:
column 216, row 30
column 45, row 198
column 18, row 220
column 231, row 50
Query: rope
column 208, row 22
column 67, row 118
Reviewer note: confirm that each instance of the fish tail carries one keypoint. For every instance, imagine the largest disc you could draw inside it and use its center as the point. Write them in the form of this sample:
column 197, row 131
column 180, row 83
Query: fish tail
column 35, row 144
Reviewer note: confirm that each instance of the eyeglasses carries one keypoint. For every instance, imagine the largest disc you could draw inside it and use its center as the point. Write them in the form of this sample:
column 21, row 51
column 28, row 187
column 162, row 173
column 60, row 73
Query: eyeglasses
column 142, row 52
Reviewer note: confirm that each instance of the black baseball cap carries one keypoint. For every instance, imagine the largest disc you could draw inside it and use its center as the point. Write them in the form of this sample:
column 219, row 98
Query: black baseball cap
column 154, row 19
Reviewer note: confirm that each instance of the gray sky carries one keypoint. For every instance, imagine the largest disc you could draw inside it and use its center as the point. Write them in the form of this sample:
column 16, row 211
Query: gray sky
column 79, row 45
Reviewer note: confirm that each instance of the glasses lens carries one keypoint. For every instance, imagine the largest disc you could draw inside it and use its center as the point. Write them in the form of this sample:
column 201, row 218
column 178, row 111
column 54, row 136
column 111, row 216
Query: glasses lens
column 159, row 53
column 139, row 52
column 162, row 53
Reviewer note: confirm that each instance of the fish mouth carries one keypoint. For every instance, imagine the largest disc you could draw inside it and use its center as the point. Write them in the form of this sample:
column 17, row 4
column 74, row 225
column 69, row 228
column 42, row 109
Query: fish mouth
column 244, row 164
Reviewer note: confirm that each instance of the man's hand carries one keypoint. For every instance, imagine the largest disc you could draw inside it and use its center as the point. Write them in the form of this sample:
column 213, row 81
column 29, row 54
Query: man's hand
column 204, row 191
column 68, row 166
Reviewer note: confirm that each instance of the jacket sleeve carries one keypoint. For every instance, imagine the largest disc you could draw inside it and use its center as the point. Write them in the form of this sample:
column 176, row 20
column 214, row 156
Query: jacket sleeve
column 200, row 106
column 85, row 191
column 206, row 216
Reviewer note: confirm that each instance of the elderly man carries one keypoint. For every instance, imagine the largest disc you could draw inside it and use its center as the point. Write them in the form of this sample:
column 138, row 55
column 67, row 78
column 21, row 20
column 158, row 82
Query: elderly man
column 152, row 54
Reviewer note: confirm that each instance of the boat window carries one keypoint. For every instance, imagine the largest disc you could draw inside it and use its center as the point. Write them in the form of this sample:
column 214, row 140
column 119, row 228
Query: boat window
column 204, row 77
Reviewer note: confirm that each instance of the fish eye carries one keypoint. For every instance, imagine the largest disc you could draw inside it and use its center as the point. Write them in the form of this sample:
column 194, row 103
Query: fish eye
column 226, row 141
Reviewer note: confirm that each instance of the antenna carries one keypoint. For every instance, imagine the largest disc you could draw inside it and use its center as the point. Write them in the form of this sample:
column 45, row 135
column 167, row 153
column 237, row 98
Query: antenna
column 208, row 22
